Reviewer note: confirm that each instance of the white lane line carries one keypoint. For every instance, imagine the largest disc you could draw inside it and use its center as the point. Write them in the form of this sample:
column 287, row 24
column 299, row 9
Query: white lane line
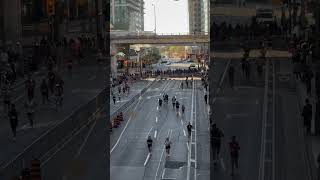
column 163, row 173
column 157, row 108
column 156, row 119
column 149, row 131
column 191, row 122
column 222, row 164
column 187, row 146
column 184, row 133
column 195, row 135
column 155, row 134
column 86, row 139
column 264, row 118
column 147, row 159
column 155, row 178
column 113, row 148
column 181, row 122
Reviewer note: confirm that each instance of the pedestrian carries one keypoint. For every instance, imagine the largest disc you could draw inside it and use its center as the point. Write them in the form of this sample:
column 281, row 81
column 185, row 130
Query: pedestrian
column 30, row 109
column 114, row 99
column 247, row 69
column 44, row 91
column 167, row 146
column 51, row 80
column 13, row 117
column 6, row 99
column 243, row 65
column 231, row 76
column 234, row 154
column 307, row 116
column 206, row 98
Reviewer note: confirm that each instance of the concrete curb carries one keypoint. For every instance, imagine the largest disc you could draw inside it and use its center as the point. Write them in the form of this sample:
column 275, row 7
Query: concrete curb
column 133, row 99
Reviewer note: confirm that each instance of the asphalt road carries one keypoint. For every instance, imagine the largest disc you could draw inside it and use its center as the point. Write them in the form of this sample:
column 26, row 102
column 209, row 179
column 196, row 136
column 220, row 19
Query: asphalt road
column 135, row 88
column 86, row 82
column 238, row 112
column 129, row 155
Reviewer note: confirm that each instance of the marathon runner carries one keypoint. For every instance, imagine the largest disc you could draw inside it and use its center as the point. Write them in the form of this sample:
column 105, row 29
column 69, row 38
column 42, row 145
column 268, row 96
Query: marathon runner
column 149, row 143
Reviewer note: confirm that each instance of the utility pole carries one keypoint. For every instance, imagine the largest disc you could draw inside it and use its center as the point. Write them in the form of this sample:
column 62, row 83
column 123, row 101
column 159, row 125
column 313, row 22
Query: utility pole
column 57, row 19
column 3, row 36
column 98, row 24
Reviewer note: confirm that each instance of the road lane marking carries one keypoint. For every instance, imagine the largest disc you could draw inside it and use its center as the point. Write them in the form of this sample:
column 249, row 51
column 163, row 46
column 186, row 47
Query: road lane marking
column 195, row 134
column 156, row 119
column 163, row 173
column 155, row 134
column 222, row 164
column 68, row 139
column 86, row 139
column 147, row 159
column 191, row 122
column 149, row 131
column 184, row 133
column 155, row 178
column 157, row 108
column 187, row 146
column 181, row 122
column 124, row 128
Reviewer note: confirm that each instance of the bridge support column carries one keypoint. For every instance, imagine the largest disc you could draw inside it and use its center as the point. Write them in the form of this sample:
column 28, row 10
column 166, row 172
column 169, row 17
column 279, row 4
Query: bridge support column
column 113, row 59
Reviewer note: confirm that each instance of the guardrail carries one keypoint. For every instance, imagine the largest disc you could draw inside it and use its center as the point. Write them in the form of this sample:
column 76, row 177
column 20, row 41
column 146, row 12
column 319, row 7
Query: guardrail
column 134, row 98
column 54, row 135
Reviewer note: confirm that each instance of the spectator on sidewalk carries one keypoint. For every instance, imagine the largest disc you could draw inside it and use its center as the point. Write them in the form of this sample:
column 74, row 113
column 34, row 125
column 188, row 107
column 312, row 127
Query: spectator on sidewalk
column 6, row 99
column 13, row 117
column 307, row 116
column 114, row 99
column 51, row 80
column 44, row 91
column 30, row 109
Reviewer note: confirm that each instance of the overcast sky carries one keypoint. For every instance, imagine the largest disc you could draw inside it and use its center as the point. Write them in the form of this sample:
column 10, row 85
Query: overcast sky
column 171, row 16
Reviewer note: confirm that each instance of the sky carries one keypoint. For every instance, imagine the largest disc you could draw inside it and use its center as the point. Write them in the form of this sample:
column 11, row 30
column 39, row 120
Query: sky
column 171, row 16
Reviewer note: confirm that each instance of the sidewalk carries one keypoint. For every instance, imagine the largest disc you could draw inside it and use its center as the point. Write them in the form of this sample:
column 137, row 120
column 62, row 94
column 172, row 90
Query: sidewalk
column 135, row 88
column 82, row 87
column 312, row 142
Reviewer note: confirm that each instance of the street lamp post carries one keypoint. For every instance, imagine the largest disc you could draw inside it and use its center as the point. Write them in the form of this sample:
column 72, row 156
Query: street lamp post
column 155, row 19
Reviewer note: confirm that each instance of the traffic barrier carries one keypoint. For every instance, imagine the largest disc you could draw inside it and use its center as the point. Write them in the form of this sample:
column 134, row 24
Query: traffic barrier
column 57, row 133
column 116, row 122
column 35, row 171
column 120, row 116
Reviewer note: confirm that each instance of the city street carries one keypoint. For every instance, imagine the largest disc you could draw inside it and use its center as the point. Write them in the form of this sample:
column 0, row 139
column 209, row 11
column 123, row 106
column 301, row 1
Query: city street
column 82, row 87
column 129, row 158
column 239, row 112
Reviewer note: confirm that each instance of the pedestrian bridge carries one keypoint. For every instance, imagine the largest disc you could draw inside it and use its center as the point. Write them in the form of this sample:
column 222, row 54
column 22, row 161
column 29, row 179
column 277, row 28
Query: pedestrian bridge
column 185, row 39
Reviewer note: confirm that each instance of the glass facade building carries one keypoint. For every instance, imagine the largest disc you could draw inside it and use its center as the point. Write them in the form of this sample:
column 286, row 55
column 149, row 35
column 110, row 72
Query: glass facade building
column 198, row 16
column 127, row 15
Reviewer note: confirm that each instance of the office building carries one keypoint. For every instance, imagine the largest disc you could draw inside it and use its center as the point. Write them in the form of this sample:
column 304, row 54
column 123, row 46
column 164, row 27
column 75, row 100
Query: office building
column 127, row 15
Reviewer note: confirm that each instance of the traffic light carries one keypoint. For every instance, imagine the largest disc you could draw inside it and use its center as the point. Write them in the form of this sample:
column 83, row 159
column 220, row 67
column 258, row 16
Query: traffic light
column 50, row 7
